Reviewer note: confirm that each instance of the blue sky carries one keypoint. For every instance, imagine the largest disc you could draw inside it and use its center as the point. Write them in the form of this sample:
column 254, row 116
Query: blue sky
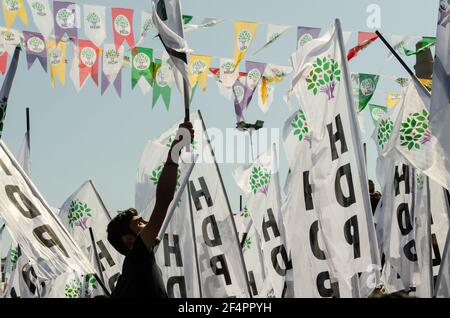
column 79, row 136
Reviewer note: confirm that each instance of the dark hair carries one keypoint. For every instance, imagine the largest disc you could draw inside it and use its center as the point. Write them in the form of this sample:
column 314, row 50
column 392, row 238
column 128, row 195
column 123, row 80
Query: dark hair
column 119, row 226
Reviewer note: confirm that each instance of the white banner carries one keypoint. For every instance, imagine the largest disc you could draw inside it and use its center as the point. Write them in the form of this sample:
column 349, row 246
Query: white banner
column 42, row 16
column 112, row 61
column 95, row 23
column 24, row 155
column 146, row 26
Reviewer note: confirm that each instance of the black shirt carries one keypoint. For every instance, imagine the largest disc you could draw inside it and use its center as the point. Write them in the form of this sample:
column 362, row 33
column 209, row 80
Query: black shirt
column 141, row 276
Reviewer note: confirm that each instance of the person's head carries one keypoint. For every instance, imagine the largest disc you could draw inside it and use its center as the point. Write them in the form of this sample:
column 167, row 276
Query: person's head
column 123, row 230
column 371, row 186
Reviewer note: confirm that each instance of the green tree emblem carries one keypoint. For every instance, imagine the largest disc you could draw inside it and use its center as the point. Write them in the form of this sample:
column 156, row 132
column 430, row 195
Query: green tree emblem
column 73, row 289
column 384, row 132
column 79, row 214
column 324, row 76
column 35, row 44
column 88, row 56
column 300, row 125
column 94, row 20
column 40, row 8
column 14, row 255
column 12, row 5
column 227, row 68
column 243, row 39
column 245, row 213
column 148, row 25
column 419, row 181
column 259, row 179
column 305, row 38
column 367, row 87
column 247, row 244
column 112, row 56
column 141, row 61
column 122, row 25
column 65, row 18
column 9, row 36
column 55, row 55
column 239, row 92
column 91, row 285
column 414, row 131
column 403, row 82
column 253, row 77
column 198, row 67
column 162, row 76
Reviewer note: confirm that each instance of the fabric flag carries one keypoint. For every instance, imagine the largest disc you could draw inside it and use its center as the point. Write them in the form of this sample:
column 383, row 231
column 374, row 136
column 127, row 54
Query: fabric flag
column 227, row 73
column 239, row 93
column 304, row 234
column 199, row 69
column 88, row 61
column 42, row 16
column 73, row 284
column 57, row 61
column 244, row 32
column 95, row 23
column 306, row 34
column 122, row 20
column 367, row 86
column 265, row 96
column 162, row 78
column 424, row 43
column 392, row 99
column 12, row 9
column 252, row 252
column 85, row 209
column 23, row 157
column 66, row 16
column 255, row 71
column 364, row 40
column 112, row 67
column 377, row 112
column 35, row 49
column 403, row 82
column 322, row 85
column 206, row 23
column 146, row 26
column 399, row 42
column 141, row 67
column 169, row 25
column 6, row 87
column 36, row 229
column 10, row 39
column 274, row 32
column 259, row 181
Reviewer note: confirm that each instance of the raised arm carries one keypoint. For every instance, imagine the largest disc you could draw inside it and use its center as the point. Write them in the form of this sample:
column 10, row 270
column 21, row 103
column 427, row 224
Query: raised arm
column 165, row 189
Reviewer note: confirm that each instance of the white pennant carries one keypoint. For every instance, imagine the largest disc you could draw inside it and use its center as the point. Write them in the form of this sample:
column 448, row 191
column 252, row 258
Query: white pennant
column 42, row 16
column 95, row 23
column 112, row 61
column 146, row 26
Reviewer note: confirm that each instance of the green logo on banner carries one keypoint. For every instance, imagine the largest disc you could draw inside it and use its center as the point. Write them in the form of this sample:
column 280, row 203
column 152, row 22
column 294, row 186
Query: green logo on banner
column 93, row 20
column 414, row 131
column 243, row 40
column 247, row 244
column 65, row 18
column 122, row 25
column 198, row 67
column 259, row 179
column 14, row 255
column 12, row 5
column 73, row 289
column 324, row 76
column 88, row 56
column 384, row 132
column 79, row 214
column 245, row 213
column 40, row 8
column 300, row 125
column 35, row 44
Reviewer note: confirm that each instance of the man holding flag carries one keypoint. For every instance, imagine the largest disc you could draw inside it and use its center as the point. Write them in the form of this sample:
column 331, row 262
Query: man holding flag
column 135, row 238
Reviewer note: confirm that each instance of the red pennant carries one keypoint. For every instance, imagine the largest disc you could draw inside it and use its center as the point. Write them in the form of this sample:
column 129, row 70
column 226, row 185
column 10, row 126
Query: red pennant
column 122, row 22
column 364, row 40
column 88, row 56
column 3, row 60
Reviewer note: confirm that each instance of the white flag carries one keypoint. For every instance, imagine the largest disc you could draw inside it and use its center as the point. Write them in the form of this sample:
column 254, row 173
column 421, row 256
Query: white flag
column 95, row 23
column 273, row 33
column 33, row 225
column 227, row 73
column 146, row 26
column 10, row 39
column 112, row 61
column 264, row 105
column 338, row 175
column 83, row 210
column 42, row 16
column 259, row 181
column 24, row 155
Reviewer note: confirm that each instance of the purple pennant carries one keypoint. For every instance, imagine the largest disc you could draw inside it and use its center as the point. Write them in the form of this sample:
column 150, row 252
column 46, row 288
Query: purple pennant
column 35, row 48
column 255, row 71
column 66, row 18
column 239, row 93
column 117, row 83
column 313, row 32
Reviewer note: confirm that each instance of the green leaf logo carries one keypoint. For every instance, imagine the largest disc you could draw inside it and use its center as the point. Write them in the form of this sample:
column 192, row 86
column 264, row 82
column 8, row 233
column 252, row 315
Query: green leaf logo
column 198, row 67
column 91, row 285
column 367, row 87
column 35, row 44
column 12, row 5
column 88, row 56
column 384, row 132
column 65, row 18
column 247, row 243
column 305, row 38
column 40, row 8
column 55, row 56
column 253, row 78
column 239, row 92
column 94, row 21
column 243, row 40
column 73, row 289
column 259, row 179
column 300, row 125
column 245, row 213
column 122, row 25
column 141, row 62
column 79, row 214
column 271, row 294
column 419, row 181
column 323, row 77
column 14, row 255
column 414, row 131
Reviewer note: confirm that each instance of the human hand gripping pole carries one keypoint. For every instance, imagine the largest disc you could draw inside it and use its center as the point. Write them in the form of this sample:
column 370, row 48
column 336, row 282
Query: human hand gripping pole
column 165, row 189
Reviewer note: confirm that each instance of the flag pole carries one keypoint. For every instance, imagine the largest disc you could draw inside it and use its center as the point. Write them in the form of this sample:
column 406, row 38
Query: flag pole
column 28, row 128
column 406, row 67
column 244, row 267
column 100, row 278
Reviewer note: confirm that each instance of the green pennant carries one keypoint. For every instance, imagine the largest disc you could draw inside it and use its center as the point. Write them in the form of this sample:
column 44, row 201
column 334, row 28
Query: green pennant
column 141, row 65
column 160, row 83
column 187, row 18
column 377, row 112
column 427, row 41
column 367, row 85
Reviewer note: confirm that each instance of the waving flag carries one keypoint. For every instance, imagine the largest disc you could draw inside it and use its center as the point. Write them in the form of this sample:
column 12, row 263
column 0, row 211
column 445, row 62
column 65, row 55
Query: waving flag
column 364, row 40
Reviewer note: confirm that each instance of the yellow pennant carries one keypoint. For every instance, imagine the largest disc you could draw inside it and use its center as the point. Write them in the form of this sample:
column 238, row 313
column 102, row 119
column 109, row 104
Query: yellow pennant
column 12, row 9
column 198, row 69
column 393, row 99
column 244, row 32
column 57, row 60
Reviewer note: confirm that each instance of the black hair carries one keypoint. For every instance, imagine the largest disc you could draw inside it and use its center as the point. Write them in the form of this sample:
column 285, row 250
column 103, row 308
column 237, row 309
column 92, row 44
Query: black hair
column 119, row 226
